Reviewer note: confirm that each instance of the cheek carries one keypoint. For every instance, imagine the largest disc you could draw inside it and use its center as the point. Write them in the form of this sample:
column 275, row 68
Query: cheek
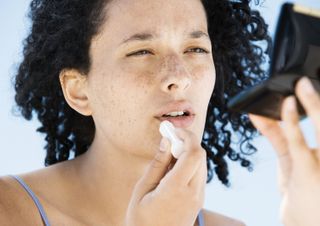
column 119, row 96
column 204, row 86
column 139, row 76
column 115, row 102
column 204, row 77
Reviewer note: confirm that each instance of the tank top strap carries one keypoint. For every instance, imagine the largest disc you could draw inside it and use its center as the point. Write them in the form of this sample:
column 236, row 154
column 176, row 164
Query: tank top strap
column 34, row 198
column 200, row 218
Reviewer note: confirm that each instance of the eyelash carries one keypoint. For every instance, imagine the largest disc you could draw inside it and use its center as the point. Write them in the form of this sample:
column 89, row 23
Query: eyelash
column 195, row 50
column 145, row 52
column 140, row 53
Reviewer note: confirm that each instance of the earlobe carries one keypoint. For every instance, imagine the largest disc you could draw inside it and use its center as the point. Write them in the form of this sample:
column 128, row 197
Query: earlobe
column 74, row 87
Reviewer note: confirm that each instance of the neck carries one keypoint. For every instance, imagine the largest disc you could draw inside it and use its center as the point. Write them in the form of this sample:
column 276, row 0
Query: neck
column 108, row 176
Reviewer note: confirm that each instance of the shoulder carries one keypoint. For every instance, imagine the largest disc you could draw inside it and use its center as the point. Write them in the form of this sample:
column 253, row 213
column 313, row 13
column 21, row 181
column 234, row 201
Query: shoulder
column 15, row 203
column 213, row 218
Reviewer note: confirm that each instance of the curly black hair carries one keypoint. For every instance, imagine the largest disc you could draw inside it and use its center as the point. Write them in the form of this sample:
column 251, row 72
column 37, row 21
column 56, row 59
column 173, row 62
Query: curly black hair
column 60, row 38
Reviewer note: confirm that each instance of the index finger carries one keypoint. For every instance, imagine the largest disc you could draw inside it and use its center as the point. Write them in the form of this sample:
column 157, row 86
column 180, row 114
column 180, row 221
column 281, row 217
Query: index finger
column 310, row 101
column 272, row 130
column 189, row 161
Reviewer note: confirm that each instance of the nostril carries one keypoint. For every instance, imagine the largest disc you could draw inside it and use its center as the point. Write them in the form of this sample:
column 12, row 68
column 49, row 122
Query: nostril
column 171, row 86
column 176, row 82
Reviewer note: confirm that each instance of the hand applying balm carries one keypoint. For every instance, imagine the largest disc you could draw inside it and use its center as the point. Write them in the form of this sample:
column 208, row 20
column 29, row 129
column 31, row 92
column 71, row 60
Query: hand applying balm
column 167, row 130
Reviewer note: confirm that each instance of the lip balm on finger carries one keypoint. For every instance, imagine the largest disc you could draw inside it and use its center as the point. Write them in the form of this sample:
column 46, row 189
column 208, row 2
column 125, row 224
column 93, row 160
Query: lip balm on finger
column 167, row 130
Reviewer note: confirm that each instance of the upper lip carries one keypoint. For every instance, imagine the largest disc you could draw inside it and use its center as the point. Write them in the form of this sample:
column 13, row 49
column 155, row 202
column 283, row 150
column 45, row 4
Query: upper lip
column 174, row 107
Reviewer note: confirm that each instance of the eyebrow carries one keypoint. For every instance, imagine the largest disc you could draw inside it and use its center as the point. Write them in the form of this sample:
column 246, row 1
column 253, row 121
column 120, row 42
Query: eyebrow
column 198, row 34
column 145, row 36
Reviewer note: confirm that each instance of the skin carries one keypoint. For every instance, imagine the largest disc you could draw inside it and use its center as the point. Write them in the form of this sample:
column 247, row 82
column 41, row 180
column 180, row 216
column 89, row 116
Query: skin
column 123, row 179
column 299, row 165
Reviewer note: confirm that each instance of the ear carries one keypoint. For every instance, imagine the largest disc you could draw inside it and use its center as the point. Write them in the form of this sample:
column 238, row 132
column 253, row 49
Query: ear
column 74, row 87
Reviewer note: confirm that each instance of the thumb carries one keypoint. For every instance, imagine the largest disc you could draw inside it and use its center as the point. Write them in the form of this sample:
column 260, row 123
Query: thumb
column 156, row 170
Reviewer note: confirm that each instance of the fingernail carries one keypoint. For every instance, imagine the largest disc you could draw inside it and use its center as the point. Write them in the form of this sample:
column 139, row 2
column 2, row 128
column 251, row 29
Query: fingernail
column 163, row 144
column 306, row 85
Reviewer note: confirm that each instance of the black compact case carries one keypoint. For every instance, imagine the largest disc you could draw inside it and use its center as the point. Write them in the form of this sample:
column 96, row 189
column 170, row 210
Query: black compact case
column 296, row 53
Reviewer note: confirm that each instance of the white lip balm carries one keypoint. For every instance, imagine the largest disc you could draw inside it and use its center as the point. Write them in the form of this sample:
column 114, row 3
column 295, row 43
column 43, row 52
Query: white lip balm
column 167, row 130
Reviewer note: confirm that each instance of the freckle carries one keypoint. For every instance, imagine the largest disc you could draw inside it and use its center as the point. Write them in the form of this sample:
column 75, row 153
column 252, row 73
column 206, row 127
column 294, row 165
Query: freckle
column 120, row 123
column 162, row 65
column 146, row 78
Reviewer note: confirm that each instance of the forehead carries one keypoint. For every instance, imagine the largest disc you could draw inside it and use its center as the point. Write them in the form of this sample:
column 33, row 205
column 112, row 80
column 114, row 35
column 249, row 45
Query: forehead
column 129, row 16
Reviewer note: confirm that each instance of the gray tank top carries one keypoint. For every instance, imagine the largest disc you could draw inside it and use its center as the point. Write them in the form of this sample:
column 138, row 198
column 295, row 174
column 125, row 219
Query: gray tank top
column 43, row 213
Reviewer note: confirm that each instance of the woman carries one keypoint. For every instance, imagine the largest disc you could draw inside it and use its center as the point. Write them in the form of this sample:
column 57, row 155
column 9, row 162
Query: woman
column 101, row 76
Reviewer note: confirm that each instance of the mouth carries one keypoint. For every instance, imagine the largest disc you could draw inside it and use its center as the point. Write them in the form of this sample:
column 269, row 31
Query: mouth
column 180, row 116
column 179, row 121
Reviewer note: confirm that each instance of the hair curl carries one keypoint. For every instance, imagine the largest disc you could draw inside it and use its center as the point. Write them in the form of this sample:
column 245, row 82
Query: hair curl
column 60, row 38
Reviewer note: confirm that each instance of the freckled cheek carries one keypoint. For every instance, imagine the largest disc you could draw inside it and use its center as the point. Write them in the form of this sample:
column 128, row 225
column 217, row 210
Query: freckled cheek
column 105, row 97
column 204, row 75
column 143, row 75
column 203, row 86
column 146, row 75
column 202, row 90
column 124, row 85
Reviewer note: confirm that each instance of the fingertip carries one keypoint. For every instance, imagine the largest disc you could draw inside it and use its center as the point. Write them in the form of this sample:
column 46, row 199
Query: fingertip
column 263, row 124
column 304, row 87
column 289, row 110
column 261, row 119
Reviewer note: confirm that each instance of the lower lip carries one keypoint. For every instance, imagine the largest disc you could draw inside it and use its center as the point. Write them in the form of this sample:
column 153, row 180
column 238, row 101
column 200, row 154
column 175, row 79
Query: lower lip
column 179, row 121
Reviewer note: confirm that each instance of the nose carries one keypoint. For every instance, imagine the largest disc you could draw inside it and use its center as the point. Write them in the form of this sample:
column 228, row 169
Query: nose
column 177, row 77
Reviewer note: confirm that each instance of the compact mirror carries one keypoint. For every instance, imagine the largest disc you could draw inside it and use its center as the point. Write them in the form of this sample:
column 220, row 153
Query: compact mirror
column 296, row 53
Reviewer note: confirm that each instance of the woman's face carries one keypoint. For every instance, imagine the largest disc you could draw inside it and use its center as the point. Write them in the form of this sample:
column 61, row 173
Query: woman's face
column 150, row 58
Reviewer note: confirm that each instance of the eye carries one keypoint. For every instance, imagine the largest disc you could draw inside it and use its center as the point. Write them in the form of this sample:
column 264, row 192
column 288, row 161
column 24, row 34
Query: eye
column 197, row 50
column 140, row 53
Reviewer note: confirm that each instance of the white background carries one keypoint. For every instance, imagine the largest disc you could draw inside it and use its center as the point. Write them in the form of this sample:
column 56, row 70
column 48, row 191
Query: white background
column 253, row 196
